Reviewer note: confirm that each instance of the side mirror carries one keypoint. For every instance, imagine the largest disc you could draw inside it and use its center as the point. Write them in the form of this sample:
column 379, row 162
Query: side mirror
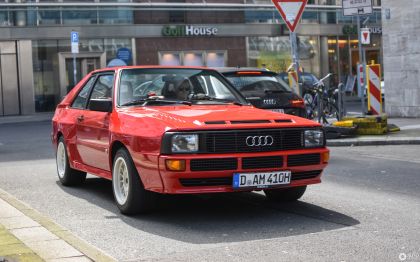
column 101, row 105
column 255, row 101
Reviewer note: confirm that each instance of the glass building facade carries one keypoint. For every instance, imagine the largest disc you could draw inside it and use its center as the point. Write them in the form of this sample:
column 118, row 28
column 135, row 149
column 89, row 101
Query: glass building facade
column 177, row 32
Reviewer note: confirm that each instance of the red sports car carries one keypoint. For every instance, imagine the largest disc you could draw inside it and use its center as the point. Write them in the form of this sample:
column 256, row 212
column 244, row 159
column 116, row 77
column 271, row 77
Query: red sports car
column 180, row 130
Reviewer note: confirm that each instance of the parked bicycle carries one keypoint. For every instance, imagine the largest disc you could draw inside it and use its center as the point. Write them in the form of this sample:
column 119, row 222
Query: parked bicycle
column 321, row 103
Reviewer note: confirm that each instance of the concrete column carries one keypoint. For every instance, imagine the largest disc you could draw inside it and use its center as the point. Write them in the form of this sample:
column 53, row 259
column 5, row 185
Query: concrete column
column 26, row 77
column 323, row 46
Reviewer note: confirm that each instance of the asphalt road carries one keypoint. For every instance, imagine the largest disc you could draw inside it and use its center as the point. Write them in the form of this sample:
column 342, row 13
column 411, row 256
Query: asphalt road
column 366, row 209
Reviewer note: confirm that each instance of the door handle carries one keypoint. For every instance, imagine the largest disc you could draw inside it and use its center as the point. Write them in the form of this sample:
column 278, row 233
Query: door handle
column 80, row 118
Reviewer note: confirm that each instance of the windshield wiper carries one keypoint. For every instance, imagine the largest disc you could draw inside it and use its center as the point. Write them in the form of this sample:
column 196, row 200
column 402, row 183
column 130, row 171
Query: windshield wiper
column 146, row 101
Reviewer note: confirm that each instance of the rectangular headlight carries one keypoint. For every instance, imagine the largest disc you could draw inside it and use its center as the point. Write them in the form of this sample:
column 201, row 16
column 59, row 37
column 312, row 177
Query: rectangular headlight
column 184, row 143
column 314, row 138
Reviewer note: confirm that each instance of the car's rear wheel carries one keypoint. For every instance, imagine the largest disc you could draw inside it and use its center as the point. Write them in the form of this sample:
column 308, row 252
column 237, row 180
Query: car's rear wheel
column 67, row 175
column 285, row 194
column 129, row 193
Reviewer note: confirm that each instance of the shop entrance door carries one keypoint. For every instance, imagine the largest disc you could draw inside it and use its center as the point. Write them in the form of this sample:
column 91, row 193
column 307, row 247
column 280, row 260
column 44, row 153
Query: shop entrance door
column 9, row 84
column 85, row 63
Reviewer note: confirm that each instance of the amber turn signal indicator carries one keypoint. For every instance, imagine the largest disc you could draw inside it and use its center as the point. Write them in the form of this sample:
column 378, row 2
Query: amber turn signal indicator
column 325, row 157
column 175, row 165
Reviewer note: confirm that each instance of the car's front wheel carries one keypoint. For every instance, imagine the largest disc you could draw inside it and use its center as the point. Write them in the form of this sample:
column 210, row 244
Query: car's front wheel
column 67, row 175
column 285, row 194
column 129, row 193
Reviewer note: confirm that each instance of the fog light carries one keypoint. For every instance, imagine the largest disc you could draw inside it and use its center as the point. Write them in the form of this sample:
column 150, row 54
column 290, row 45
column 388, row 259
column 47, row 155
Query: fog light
column 325, row 157
column 175, row 165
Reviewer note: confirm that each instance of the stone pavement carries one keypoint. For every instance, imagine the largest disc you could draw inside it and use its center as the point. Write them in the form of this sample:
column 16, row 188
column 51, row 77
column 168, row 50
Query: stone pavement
column 26, row 235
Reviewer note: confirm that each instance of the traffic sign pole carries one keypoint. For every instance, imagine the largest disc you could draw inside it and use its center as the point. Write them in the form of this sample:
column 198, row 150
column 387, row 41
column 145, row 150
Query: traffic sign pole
column 361, row 86
column 295, row 58
column 74, row 41
column 291, row 11
column 74, row 70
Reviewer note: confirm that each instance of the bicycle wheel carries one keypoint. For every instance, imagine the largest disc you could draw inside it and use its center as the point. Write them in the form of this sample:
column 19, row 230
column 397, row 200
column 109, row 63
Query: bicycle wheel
column 330, row 113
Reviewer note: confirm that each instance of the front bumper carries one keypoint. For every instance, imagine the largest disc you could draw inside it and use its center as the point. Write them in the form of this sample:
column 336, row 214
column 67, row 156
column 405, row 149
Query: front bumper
column 305, row 170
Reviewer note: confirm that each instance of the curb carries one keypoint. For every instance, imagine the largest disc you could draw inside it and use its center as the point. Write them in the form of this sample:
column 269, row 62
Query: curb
column 62, row 233
column 5, row 120
column 374, row 142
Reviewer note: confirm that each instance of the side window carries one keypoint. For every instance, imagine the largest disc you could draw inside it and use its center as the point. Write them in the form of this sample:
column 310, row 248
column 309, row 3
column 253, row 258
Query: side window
column 82, row 97
column 103, row 87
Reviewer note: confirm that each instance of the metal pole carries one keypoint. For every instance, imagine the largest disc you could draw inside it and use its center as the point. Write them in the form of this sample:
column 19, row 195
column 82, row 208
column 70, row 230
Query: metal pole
column 365, row 77
column 295, row 57
column 74, row 70
column 360, row 85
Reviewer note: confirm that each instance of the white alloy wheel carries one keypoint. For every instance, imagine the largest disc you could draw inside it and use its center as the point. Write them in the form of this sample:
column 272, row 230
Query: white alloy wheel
column 61, row 160
column 121, row 180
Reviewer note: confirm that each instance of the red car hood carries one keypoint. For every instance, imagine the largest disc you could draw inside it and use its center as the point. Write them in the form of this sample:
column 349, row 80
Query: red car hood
column 215, row 117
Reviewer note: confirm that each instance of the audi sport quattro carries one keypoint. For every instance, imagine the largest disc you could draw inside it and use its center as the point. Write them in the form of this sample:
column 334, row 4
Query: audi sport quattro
column 180, row 130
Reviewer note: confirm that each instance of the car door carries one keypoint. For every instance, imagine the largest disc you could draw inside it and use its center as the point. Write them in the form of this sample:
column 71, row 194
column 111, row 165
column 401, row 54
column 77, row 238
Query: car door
column 92, row 127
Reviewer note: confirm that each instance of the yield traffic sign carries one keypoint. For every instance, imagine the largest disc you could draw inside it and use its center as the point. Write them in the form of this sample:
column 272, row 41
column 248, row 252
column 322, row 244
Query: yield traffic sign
column 365, row 36
column 291, row 11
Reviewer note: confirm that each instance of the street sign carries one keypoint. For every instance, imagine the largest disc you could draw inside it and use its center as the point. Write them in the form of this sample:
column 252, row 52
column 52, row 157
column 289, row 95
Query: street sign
column 365, row 36
column 291, row 11
column 357, row 7
column 74, row 39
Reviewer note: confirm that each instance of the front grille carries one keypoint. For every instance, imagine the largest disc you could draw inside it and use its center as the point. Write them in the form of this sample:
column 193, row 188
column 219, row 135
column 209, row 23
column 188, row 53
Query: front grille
column 303, row 160
column 214, row 164
column 227, row 181
column 305, row 175
column 214, row 181
column 235, row 141
column 262, row 162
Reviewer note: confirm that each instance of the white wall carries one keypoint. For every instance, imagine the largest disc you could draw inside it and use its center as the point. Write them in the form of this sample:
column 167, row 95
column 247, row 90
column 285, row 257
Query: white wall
column 401, row 46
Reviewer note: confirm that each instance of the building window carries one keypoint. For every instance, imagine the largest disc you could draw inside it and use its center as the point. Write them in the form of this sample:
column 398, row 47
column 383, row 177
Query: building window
column 170, row 59
column 193, row 58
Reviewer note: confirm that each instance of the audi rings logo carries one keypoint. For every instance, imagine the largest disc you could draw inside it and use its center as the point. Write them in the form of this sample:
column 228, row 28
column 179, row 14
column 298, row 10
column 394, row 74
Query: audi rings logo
column 259, row 141
column 269, row 101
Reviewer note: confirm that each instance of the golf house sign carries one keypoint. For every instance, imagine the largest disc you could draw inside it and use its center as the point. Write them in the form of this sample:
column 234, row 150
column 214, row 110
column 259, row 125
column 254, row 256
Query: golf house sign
column 188, row 30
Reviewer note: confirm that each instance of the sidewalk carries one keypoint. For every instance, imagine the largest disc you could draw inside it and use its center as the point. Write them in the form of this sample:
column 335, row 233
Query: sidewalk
column 27, row 235
column 409, row 135
column 38, row 117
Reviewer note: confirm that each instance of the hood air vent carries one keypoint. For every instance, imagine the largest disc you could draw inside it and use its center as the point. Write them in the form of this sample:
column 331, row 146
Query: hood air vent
column 283, row 121
column 250, row 122
column 215, row 123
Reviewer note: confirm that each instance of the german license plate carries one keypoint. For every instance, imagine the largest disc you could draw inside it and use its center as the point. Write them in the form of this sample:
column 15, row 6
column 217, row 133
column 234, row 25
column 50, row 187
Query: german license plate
column 261, row 180
column 279, row 110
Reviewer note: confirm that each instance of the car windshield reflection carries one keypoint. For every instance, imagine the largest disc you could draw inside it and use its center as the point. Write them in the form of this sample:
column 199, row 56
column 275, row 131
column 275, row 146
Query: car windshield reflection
column 174, row 86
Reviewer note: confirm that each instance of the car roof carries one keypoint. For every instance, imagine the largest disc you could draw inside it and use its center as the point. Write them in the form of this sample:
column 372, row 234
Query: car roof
column 116, row 68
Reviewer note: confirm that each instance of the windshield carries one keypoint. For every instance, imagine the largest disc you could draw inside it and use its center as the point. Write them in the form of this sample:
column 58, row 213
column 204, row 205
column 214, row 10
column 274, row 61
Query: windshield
column 258, row 85
column 175, row 85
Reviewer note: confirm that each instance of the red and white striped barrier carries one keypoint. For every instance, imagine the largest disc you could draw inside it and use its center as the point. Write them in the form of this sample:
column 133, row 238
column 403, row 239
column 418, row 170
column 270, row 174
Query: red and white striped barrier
column 374, row 89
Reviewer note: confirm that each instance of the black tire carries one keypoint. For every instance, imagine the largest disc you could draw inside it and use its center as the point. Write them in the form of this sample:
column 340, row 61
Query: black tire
column 67, row 175
column 285, row 194
column 137, row 200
